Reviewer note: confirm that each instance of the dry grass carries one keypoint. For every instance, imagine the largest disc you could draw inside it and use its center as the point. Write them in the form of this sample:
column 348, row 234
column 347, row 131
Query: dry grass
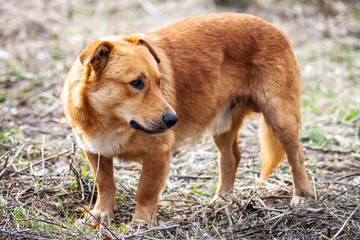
column 44, row 180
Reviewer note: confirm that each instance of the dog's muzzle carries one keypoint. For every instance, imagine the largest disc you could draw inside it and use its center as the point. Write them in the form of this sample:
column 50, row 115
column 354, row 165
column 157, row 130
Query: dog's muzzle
column 168, row 121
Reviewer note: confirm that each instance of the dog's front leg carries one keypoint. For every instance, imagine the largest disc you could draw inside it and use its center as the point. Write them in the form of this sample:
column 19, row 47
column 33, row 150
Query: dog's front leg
column 105, row 202
column 152, row 180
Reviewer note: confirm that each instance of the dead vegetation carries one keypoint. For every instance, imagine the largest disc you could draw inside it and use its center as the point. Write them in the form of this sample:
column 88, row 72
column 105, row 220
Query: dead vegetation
column 45, row 182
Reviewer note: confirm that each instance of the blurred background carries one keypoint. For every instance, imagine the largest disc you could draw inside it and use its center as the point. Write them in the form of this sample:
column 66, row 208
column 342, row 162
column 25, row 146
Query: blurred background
column 40, row 39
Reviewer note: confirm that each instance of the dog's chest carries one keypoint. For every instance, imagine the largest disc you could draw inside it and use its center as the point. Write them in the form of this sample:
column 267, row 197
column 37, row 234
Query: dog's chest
column 108, row 144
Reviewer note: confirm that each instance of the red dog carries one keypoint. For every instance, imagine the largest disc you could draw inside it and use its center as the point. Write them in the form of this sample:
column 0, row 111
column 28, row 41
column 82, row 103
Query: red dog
column 139, row 97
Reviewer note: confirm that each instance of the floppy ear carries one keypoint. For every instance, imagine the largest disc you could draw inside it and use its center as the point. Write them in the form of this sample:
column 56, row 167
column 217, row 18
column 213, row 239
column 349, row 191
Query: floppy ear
column 139, row 39
column 97, row 54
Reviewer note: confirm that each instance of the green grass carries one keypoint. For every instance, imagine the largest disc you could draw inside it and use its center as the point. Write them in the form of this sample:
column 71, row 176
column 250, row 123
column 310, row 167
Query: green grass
column 315, row 137
column 331, row 76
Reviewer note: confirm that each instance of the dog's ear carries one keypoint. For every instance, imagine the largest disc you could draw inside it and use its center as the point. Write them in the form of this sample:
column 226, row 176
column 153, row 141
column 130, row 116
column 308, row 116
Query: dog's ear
column 97, row 54
column 139, row 39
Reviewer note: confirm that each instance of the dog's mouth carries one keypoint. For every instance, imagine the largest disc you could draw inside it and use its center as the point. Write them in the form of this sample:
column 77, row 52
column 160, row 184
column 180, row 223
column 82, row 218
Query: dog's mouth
column 137, row 126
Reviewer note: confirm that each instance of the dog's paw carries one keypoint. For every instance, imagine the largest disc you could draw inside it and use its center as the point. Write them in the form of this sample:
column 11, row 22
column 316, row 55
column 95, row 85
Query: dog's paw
column 94, row 217
column 222, row 197
column 140, row 222
column 214, row 199
column 300, row 202
column 104, row 216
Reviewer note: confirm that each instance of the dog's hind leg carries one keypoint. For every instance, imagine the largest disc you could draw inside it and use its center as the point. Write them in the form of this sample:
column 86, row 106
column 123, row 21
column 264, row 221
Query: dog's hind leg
column 229, row 152
column 283, row 116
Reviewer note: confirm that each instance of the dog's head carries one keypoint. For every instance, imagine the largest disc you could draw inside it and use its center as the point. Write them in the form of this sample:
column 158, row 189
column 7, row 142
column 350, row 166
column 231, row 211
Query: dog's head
column 122, row 83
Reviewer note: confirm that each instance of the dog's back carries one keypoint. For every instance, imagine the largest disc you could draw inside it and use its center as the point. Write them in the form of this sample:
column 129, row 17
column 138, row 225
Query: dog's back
column 221, row 60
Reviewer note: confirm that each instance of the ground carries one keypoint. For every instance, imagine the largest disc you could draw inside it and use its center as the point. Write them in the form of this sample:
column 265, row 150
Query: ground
column 45, row 181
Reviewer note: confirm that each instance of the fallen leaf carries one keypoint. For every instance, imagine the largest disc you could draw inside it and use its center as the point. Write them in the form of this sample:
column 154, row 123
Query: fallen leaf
column 96, row 226
column 81, row 209
column 11, row 185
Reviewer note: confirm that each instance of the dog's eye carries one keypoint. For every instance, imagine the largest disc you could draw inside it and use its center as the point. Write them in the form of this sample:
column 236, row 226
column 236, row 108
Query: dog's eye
column 138, row 83
column 159, row 83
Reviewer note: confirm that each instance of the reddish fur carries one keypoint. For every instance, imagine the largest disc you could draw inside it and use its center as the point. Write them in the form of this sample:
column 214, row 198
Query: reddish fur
column 215, row 69
column 271, row 150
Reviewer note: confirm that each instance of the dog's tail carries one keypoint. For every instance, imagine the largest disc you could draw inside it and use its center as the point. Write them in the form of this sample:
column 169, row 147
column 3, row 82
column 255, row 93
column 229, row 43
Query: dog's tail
column 270, row 147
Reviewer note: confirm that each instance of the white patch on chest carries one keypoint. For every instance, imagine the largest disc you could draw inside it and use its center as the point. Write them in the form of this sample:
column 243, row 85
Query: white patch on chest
column 110, row 144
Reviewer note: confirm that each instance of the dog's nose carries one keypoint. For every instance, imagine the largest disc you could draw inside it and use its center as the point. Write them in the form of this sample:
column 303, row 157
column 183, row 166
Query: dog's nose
column 170, row 119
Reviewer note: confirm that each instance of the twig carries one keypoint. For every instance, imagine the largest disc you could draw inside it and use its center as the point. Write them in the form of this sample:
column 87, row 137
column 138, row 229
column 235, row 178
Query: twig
column 346, row 176
column 230, row 221
column 280, row 218
column 177, row 231
column 217, row 231
column 6, row 159
column 127, row 190
column 341, row 183
column 237, row 203
column 315, row 191
column 36, row 93
column 249, row 199
column 259, row 200
column 73, row 149
column 228, row 204
column 197, row 228
column 254, row 175
column 59, row 194
column 327, row 150
column 93, row 190
column 277, row 196
column 100, row 231
column 152, row 229
column 190, row 177
column 147, row 237
column 344, row 192
column 42, row 155
column 11, row 218
column 24, row 236
column 12, row 159
column 347, row 220
column 49, row 222
column 355, row 155
column 269, row 209
column 46, row 159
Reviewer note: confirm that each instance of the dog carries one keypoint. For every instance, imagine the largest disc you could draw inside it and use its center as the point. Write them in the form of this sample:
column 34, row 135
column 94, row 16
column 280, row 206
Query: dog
column 139, row 97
